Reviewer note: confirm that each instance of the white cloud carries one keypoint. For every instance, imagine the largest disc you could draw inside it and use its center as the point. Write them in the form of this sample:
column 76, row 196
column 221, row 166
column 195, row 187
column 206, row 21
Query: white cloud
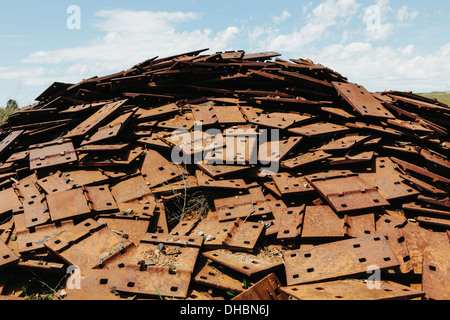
column 404, row 15
column 386, row 68
column 328, row 11
column 376, row 20
column 125, row 44
column 327, row 14
column 283, row 17
column 350, row 49
column 380, row 32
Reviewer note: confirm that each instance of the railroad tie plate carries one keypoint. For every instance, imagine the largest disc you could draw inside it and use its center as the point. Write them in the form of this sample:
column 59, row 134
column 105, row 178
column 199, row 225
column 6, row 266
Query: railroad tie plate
column 352, row 289
column 248, row 263
column 336, row 259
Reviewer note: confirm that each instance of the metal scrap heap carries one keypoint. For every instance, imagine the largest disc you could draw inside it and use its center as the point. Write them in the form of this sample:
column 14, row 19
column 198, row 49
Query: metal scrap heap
column 226, row 176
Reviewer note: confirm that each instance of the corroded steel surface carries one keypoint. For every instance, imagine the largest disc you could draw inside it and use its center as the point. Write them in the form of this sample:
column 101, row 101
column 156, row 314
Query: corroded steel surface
column 198, row 175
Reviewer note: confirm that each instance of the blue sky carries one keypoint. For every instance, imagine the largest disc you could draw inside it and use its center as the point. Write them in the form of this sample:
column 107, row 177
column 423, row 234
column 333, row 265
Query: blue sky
column 381, row 44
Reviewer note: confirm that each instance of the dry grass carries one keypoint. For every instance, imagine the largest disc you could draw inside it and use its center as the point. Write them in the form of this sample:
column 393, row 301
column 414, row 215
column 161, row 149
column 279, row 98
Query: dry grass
column 443, row 97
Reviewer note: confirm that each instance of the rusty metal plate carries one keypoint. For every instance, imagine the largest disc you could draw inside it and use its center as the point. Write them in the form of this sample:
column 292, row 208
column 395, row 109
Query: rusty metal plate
column 185, row 241
column 243, row 211
column 352, row 289
column 336, row 259
column 418, row 239
column 94, row 284
column 217, row 277
column 439, row 222
column 32, row 240
column 100, row 199
column 352, row 157
column 435, row 161
column 184, row 121
column 6, row 167
column 52, row 154
column 6, row 230
column 217, row 170
column 248, row 263
column 425, row 209
column 400, row 147
column 387, row 180
column 7, row 256
column 266, row 289
column 321, row 223
column 159, row 223
column 205, row 181
column 134, row 188
column 10, row 139
column 154, row 141
column 362, row 100
column 275, row 151
column 290, row 222
column 154, row 281
column 9, row 202
column 204, row 115
column 254, row 195
column 422, row 185
column 243, row 235
column 287, row 184
column 346, row 143
column 155, row 113
column 436, row 271
column 249, row 113
column 67, row 204
column 294, row 116
column 94, row 121
column 83, row 107
column 144, row 128
column 270, row 185
column 347, row 192
column 42, row 265
column 135, row 210
column 111, row 130
column 85, row 177
column 56, row 182
column 361, row 225
column 194, row 143
column 305, row 159
column 417, row 103
column 157, row 170
column 103, row 147
column 171, row 188
column 19, row 222
column 153, row 256
column 261, row 56
column 184, row 227
column 380, row 129
column 124, row 158
column 33, row 202
column 389, row 220
column 320, row 129
column 338, row 112
column 238, row 150
column 18, row 156
column 396, row 240
column 412, row 126
column 229, row 115
column 242, row 205
column 88, row 245
column 271, row 121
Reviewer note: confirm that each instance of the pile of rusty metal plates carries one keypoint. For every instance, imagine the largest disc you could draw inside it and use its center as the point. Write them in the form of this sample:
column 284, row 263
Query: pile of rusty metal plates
column 226, row 176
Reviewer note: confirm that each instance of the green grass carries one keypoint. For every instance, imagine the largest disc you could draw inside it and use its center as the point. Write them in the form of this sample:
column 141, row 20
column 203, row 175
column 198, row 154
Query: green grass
column 443, row 97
